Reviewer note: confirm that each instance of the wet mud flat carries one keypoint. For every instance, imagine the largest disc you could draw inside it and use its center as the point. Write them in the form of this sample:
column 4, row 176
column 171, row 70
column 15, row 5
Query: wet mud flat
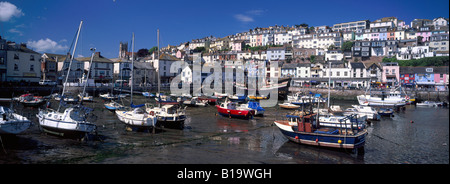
column 208, row 139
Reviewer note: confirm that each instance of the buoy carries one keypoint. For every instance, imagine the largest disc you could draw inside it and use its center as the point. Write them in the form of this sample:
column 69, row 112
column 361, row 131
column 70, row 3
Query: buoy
column 296, row 137
column 317, row 140
column 339, row 141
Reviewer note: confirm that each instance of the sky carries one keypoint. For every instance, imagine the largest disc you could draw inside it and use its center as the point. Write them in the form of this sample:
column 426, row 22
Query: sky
column 50, row 25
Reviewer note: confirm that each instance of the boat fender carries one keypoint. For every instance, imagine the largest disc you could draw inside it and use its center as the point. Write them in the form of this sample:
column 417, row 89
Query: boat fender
column 296, row 137
column 340, row 141
column 317, row 140
column 152, row 113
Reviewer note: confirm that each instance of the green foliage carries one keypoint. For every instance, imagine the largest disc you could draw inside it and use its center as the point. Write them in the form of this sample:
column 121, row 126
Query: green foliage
column 153, row 49
column 312, row 58
column 428, row 61
column 347, row 46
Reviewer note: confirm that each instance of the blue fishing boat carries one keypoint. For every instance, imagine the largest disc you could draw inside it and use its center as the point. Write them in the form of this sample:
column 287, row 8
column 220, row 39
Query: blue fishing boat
column 259, row 111
column 305, row 129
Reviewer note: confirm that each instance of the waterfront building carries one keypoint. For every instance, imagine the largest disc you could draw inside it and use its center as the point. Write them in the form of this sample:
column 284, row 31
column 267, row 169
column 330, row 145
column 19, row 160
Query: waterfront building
column 49, row 65
column 102, row 68
column 389, row 22
column 3, row 58
column 391, row 73
column 374, row 73
column 22, row 63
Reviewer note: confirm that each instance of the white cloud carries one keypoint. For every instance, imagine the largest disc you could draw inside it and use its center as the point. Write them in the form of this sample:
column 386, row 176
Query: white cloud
column 46, row 45
column 243, row 18
column 255, row 12
column 14, row 30
column 8, row 10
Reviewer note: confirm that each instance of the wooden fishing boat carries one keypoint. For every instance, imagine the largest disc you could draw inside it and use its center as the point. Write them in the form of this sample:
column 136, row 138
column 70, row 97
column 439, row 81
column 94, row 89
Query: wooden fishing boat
column 305, row 129
column 231, row 110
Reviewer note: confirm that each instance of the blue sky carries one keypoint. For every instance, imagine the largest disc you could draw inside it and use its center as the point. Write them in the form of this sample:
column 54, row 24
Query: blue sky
column 50, row 25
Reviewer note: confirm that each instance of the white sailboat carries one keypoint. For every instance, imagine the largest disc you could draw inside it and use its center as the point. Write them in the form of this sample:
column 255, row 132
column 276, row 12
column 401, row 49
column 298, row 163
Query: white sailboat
column 12, row 123
column 135, row 117
column 72, row 121
column 170, row 115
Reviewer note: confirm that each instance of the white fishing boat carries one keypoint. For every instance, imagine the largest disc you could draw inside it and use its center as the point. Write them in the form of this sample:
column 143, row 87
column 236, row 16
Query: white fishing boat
column 12, row 123
column 171, row 116
column 429, row 104
column 288, row 105
column 360, row 111
column 392, row 99
column 195, row 102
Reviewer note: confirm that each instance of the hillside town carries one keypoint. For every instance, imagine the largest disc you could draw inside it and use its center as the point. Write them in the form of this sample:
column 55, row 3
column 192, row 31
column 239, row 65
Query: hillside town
column 348, row 55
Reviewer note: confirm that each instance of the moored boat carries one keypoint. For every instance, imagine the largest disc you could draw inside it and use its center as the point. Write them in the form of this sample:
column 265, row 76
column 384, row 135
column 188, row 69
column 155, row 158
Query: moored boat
column 305, row 129
column 288, row 105
column 231, row 110
column 12, row 123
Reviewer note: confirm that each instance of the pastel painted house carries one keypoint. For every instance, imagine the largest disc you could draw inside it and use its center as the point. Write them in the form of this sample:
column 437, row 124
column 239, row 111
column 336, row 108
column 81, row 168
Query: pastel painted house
column 391, row 73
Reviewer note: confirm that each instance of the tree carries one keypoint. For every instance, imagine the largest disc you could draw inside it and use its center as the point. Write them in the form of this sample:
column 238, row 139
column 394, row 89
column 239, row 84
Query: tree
column 142, row 53
column 153, row 49
column 347, row 46
column 312, row 58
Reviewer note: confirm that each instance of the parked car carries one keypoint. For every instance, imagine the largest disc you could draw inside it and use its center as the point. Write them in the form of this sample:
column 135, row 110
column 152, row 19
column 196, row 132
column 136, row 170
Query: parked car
column 47, row 83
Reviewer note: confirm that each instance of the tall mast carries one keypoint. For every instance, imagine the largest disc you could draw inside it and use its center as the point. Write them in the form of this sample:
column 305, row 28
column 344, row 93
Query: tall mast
column 159, row 67
column 132, row 68
column 70, row 63
column 87, row 76
column 329, row 83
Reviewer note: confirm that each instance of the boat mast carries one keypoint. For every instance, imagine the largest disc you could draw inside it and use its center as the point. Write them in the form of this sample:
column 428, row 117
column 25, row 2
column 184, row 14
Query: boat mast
column 87, row 76
column 159, row 76
column 70, row 63
column 132, row 67
column 329, row 83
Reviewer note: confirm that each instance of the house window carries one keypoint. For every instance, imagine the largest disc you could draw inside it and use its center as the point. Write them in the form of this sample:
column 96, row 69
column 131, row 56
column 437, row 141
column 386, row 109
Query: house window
column 31, row 57
column 345, row 74
column 16, row 56
column 338, row 74
column 2, row 60
column 429, row 69
column 16, row 68
column 31, row 68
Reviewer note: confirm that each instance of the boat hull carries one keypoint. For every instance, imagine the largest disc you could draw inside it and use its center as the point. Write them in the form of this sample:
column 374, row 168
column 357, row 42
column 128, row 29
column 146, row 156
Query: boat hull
column 322, row 139
column 65, row 128
column 14, row 127
column 242, row 114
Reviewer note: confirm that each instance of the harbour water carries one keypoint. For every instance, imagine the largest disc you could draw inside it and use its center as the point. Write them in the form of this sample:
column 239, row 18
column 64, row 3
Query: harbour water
column 417, row 135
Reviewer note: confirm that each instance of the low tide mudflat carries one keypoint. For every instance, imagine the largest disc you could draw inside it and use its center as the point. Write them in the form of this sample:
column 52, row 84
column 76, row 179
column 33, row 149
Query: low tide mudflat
column 207, row 138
